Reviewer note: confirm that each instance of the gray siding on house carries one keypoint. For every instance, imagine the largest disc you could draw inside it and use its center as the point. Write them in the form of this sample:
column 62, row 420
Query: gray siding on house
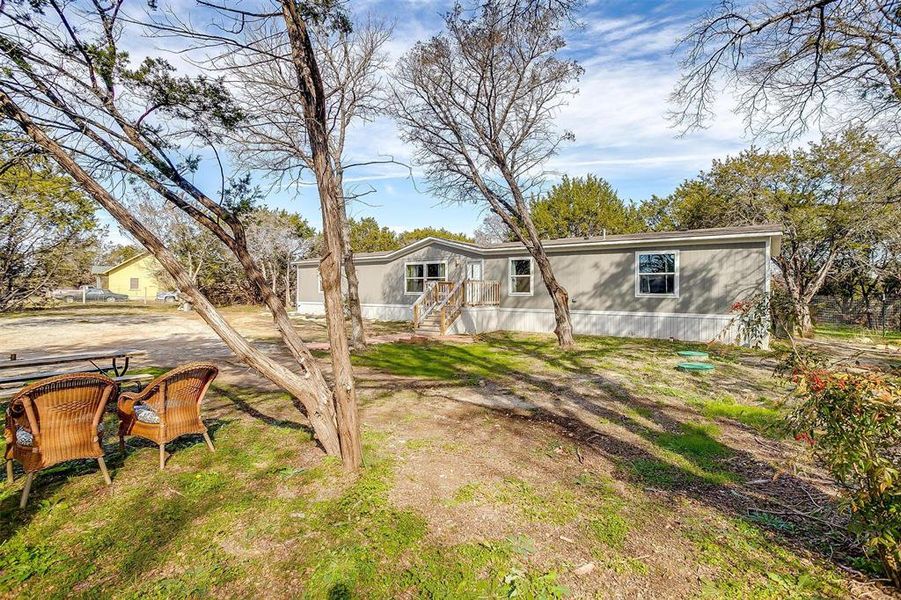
column 383, row 283
column 716, row 267
column 712, row 276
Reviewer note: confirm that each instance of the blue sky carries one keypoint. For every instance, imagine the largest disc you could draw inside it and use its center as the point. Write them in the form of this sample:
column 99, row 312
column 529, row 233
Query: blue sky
column 618, row 117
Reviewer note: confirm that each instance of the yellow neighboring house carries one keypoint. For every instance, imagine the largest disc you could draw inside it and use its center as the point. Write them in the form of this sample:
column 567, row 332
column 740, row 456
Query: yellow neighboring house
column 135, row 277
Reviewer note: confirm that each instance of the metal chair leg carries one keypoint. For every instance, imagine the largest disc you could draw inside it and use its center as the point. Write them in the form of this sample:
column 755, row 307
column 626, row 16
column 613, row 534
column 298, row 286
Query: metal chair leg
column 9, row 471
column 103, row 470
column 209, row 442
column 122, row 444
column 25, row 492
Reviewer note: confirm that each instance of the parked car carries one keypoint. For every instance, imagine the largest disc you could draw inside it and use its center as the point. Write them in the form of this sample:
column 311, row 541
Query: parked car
column 88, row 293
column 167, row 296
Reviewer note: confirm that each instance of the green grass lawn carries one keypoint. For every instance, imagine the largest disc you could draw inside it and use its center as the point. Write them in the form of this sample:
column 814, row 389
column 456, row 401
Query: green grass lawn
column 625, row 464
column 241, row 522
column 852, row 332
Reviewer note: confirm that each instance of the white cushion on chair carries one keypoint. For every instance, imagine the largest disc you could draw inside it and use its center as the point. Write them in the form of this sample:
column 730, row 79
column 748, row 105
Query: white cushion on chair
column 145, row 414
column 24, row 437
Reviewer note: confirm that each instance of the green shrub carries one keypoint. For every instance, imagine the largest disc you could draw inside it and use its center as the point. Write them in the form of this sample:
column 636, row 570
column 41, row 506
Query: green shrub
column 853, row 423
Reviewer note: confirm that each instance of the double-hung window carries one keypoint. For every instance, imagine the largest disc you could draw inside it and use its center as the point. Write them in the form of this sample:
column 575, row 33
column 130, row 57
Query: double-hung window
column 417, row 275
column 521, row 277
column 657, row 273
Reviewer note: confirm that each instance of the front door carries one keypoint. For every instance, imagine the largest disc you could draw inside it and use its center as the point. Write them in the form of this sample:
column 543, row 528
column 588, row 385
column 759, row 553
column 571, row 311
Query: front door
column 473, row 273
column 474, row 270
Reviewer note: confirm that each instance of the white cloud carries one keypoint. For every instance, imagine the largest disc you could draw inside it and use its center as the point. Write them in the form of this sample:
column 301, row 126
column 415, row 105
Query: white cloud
column 618, row 117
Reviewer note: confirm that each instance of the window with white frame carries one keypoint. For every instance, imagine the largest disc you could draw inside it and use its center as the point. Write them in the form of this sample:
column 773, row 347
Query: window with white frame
column 657, row 273
column 521, row 277
column 417, row 275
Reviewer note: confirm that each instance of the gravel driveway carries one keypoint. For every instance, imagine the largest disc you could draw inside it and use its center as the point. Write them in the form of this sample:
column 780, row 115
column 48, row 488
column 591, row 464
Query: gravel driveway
column 169, row 337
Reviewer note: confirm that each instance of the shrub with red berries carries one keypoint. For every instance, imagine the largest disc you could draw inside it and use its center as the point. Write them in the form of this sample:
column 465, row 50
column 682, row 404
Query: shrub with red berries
column 852, row 421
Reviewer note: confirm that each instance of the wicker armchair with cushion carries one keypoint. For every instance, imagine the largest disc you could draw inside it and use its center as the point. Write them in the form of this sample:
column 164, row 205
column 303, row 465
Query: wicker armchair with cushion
column 168, row 408
column 56, row 420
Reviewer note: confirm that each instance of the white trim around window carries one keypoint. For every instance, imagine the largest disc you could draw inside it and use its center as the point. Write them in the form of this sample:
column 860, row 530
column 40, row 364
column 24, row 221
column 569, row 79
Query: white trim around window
column 674, row 273
column 425, row 275
column 510, row 276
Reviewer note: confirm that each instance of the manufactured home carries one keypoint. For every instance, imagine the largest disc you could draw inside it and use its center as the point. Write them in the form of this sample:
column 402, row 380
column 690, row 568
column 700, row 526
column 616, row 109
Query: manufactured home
column 678, row 285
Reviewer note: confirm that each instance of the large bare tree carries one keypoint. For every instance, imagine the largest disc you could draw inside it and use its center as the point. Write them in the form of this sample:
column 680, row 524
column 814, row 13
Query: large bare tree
column 315, row 110
column 794, row 63
column 273, row 138
column 110, row 125
column 478, row 103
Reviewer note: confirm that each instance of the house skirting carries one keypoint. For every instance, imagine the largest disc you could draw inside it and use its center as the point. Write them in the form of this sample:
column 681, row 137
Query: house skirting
column 374, row 312
column 680, row 326
column 689, row 327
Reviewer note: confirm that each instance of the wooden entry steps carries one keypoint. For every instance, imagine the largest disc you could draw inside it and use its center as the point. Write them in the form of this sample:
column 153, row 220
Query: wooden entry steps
column 443, row 301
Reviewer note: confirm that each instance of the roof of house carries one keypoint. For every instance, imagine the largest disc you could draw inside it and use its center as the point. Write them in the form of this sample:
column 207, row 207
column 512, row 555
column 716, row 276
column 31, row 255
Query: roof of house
column 750, row 232
column 106, row 269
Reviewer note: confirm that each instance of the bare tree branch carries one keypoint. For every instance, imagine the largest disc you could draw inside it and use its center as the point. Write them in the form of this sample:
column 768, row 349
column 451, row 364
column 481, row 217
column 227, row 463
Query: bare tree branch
column 478, row 104
column 797, row 64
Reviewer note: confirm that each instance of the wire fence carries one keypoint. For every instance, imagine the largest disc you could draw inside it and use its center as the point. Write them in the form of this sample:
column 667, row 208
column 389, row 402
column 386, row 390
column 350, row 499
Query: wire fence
column 879, row 314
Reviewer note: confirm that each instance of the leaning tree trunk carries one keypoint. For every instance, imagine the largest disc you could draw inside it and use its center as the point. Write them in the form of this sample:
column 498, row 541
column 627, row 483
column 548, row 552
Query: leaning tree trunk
column 237, row 242
column 313, row 391
column 312, row 97
column 559, row 296
column 322, row 403
column 532, row 241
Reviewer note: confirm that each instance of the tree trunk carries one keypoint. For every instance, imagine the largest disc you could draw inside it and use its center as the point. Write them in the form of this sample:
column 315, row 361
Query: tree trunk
column 803, row 322
column 313, row 99
column 559, row 296
column 532, row 241
column 312, row 391
column 288, row 284
column 866, row 291
column 891, row 561
column 237, row 242
column 357, row 333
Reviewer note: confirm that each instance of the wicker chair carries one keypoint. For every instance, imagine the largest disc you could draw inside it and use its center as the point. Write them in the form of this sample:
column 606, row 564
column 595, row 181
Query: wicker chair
column 56, row 420
column 168, row 408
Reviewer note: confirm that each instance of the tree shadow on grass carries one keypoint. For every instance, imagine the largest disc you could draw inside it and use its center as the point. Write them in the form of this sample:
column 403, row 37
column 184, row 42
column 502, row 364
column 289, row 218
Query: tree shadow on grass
column 688, row 461
column 677, row 455
column 48, row 481
column 236, row 397
column 581, row 359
